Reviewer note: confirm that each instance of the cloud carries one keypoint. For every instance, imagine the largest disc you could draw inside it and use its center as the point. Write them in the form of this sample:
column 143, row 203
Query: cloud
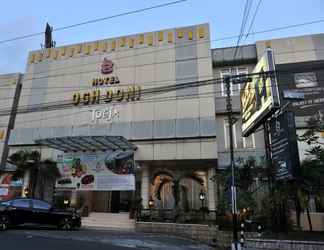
column 13, row 55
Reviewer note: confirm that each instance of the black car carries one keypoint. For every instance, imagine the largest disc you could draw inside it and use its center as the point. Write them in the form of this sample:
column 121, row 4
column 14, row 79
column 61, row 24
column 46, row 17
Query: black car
column 32, row 211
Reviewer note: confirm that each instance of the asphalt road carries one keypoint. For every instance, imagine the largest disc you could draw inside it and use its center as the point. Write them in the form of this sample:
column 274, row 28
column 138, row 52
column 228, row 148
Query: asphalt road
column 18, row 241
column 27, row 238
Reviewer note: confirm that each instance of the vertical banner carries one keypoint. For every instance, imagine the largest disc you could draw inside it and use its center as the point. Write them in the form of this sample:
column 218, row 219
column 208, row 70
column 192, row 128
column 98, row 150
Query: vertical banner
column 103, row 171
column 284, row 148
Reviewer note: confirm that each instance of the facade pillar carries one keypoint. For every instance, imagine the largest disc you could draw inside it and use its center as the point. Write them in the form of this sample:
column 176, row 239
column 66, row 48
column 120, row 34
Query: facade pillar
column 212, row 199
column 145, row 186
column 26, row 181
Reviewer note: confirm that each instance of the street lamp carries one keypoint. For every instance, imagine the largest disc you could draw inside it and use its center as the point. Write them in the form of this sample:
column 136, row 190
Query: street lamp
column 202, row 197
column 26, row 192
column 66, row 202
column 151, row 204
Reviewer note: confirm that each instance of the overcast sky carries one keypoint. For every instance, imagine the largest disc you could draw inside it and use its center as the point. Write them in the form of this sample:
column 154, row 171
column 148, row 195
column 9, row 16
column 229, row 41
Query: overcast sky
column 25, row 17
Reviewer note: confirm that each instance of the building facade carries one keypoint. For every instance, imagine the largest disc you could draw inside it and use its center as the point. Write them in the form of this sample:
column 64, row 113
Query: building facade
column 130, row 94
column 153, row 98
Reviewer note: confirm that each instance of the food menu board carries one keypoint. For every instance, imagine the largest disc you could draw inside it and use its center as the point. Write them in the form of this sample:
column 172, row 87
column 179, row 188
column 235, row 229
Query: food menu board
column 102, row 171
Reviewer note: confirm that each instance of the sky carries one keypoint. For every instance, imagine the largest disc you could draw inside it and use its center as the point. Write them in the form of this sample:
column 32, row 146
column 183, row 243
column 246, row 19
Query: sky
column 25, row 17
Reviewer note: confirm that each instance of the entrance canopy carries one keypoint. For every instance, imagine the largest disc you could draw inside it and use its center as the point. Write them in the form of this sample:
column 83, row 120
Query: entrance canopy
column 87, row 143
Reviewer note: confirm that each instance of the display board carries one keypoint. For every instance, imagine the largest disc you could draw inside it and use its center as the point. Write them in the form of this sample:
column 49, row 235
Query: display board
column 284, row 148
column 260, row 97
column 106, row 171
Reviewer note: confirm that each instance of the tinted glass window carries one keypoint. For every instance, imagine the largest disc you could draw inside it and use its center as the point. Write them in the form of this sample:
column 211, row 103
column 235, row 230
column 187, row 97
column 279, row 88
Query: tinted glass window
column 6, row 203
column 41, row 205
column 21, row 203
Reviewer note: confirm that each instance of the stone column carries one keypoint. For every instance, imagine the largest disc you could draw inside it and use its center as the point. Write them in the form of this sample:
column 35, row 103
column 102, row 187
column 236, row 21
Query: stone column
column 212, row 199
column 145, row 186
column 26, row 181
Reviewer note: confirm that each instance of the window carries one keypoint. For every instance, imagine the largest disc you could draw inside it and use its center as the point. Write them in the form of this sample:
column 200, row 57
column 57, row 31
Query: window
column 238, row 141
column 21, row 203
column 305, row 79
column 235, row 88
column 6, row 203
column 41, row 205
column 226, row 135
column 249, row 142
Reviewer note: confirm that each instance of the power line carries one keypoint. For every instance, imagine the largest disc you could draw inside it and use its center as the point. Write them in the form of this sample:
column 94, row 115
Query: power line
column 95, row 20
column 245, row 17
column 253, row 19
column 184, row 45
column 41, row 107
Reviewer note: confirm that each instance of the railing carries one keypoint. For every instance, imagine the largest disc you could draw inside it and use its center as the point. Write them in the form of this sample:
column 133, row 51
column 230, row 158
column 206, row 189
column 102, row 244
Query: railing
column 201, row 216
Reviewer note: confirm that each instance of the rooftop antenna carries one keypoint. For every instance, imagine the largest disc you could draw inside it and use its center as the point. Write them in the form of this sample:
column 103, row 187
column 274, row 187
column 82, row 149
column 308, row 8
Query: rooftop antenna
column 49, row 43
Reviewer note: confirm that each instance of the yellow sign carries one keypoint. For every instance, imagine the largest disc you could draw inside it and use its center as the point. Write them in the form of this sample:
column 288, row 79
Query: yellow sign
column 2, row 134
column 98, row 96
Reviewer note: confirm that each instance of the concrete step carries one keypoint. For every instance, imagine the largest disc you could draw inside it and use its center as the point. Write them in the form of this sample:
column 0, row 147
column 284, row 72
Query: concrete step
column 109, row 220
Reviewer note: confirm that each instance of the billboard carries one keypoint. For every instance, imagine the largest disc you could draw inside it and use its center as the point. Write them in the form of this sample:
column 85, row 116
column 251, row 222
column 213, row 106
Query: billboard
column 284, row 148
column 307, row 79
column 99, row 172
column 260, row 97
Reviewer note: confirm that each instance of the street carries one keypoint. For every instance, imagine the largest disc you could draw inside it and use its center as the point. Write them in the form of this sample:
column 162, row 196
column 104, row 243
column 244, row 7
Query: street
column 33, row 239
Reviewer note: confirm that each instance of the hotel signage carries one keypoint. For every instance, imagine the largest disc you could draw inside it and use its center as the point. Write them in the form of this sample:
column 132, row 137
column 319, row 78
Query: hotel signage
column 106, row 114
column 100, row 96
column 259, row 98
column 284, row 148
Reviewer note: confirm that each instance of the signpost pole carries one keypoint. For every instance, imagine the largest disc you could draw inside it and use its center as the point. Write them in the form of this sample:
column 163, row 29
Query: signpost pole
column 233, row 188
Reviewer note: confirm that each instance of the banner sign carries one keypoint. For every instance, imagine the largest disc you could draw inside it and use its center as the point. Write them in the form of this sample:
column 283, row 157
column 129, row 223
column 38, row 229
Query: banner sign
column 284, row 148
column 100, row 172
column 305, row 79
column 260, row 97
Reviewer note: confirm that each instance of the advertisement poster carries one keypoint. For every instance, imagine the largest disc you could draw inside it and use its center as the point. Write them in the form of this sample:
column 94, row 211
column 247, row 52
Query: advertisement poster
column 99, row 172
column 284, row 146
column 260, row 97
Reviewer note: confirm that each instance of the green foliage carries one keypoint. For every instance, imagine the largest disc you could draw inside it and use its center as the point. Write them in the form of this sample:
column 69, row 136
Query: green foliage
column 40, row 171
column 245, row 172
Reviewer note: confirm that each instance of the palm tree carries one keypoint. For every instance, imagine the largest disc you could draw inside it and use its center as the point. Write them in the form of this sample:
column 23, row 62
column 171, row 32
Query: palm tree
column 29, row 164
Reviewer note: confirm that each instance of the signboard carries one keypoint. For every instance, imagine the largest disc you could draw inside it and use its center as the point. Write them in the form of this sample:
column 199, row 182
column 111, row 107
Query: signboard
column 101, row 172
column 260, row 97
column 303, row 79
column 284, row 148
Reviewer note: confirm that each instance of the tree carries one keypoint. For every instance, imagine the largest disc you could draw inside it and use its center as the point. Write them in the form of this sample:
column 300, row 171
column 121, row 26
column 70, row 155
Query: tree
column 245, row 173
column 30, row 163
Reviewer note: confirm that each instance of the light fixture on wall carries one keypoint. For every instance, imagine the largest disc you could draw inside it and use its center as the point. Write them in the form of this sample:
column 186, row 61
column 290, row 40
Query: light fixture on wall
column 26, row 192
column 151, row 203
column 202, row 197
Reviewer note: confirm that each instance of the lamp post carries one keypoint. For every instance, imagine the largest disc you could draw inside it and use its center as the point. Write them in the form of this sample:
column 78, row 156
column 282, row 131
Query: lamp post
column 151, row 204
column 66, row 203
column 202, row 197
column 26, row 192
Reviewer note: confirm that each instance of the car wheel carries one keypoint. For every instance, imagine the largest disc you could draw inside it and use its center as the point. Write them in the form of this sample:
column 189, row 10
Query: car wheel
column 4, row 222
column 66, row 224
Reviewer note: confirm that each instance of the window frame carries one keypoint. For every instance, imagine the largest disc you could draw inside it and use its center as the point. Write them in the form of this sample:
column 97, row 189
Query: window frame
column 226, row 142
column 232, row 71
column 253, row 141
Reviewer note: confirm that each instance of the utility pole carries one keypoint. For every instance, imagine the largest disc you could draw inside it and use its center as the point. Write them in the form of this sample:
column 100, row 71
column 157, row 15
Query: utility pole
column 11, row 123
column 233, row 187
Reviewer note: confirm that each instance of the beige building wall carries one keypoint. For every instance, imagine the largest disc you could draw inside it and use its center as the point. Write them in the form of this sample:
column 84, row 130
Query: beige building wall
column 8, row 86
column 149, row 60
